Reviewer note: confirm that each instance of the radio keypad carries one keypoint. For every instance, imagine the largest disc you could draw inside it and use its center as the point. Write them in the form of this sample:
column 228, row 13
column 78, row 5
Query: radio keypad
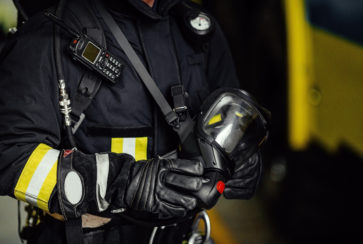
column 109, row 65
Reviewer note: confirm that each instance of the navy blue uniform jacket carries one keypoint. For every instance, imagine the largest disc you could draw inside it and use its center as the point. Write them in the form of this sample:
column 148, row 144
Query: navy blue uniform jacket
column 30, row 120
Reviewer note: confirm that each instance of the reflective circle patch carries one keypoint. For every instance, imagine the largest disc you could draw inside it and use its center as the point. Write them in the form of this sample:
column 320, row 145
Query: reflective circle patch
column 73, row 188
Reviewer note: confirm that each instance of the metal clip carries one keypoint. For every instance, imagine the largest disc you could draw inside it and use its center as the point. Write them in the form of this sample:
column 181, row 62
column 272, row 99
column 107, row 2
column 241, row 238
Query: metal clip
column 153, row 234
column 172, row 119
column 78, row 123
column 65, row 103
column 197, row 237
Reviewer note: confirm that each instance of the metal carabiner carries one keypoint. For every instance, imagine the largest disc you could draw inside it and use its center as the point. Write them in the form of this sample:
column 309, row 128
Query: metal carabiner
column 153, row 233
column 196, row 236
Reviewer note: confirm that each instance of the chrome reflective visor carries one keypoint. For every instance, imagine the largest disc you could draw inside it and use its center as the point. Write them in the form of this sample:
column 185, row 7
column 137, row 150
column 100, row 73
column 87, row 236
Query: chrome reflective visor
column 233, row 122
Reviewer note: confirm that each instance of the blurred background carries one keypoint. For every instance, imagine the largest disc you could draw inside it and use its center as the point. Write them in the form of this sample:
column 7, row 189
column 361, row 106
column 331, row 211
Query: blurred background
column 303, row 60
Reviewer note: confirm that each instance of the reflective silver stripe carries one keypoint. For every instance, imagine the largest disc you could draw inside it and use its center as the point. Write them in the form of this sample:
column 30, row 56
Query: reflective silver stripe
column 129, row 146
column 40, row 175
column 103, row 165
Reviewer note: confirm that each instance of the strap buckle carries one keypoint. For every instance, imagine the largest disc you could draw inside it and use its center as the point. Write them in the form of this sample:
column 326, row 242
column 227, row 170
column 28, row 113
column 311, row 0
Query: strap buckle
column 172, row 119
column 178, row 94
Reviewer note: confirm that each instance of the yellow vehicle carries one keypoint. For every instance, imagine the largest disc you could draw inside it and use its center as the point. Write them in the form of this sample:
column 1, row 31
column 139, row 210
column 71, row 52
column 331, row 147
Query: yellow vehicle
column 325, row 132
column 325, row 47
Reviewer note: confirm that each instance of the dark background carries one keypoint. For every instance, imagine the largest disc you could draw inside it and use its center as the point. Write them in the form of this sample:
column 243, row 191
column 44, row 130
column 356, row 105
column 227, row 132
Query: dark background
column 311, row 196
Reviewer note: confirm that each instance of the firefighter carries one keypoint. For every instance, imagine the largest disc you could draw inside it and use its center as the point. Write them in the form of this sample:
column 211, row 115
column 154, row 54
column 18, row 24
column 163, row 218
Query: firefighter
column 117, row 165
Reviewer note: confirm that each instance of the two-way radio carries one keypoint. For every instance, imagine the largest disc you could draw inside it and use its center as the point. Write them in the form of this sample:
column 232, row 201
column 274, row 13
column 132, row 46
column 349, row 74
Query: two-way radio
column 91, row 54
column 96, row 58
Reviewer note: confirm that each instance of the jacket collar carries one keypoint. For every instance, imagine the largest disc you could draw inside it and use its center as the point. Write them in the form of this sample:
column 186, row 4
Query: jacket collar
column 131, row 6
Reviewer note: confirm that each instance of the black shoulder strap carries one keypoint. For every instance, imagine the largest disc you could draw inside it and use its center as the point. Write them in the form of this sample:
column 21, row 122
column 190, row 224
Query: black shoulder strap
column 148, row 81
column 80, row 15
column 183, row 129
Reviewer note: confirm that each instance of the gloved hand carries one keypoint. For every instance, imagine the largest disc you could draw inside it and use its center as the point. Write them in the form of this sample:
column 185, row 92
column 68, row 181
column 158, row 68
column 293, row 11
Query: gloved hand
column 245, row 179
column 164, row 186
column 93, row 183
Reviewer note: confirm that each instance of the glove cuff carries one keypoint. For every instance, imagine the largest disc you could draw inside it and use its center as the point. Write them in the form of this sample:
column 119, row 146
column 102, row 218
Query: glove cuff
column 70, row 186
column 90, row 183
column 118, row 180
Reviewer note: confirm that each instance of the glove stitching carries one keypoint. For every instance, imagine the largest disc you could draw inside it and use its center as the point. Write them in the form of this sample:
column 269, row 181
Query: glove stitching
column 140, row 190
column 152, row 185
column 146, row 190
column 135, row 193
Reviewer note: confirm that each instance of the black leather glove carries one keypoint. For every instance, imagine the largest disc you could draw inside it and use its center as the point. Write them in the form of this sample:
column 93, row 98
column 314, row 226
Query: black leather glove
column 245, row 179
column 93, row 183
column 164, row 186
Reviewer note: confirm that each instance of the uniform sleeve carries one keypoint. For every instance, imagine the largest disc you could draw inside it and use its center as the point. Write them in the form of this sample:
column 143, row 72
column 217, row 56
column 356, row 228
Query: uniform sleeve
column 30, row 122
column 221, row 70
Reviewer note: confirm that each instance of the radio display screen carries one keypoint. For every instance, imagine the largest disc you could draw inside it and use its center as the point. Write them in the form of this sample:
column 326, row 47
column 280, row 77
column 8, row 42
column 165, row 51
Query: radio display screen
column 91, row 52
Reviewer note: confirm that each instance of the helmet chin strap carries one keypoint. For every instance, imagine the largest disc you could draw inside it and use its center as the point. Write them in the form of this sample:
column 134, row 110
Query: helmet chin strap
column 149, row 2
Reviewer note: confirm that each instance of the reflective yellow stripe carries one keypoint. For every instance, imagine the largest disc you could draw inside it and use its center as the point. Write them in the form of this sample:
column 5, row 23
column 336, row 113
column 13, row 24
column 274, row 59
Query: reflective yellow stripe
column 215, row 119
column 141, row 148
column 136, row 147
column 38, row 178
column 238, row 114
column 28, row 171
column 117, row 145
